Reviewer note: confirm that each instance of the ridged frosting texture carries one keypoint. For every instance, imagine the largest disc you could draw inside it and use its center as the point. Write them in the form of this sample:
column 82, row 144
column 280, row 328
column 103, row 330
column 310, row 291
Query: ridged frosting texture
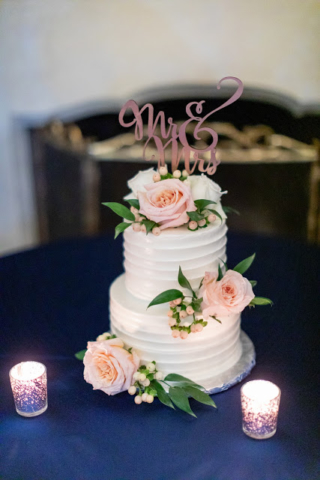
column 152, row 262
column 200, row 357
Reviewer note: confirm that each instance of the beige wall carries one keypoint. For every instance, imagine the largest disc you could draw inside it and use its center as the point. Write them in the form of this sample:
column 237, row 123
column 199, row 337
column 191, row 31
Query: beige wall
column 57, row 53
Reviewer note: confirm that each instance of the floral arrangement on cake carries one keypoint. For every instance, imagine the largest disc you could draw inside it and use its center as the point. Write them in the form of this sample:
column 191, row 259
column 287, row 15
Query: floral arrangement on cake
column 113, row 368
column 161, row 200
column 220, row 293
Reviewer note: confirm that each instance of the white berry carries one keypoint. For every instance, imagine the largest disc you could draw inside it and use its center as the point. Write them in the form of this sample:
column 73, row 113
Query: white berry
column 159, row 375
column 183, row 314
column 137, row 400
column 144, row 397
column 151, row 367
column 177, row 174
column 142, row 377
column 132, row 390
column 150, row 398
column 146, row 382
column 185, row 173
column 202, row 222
column 163, row 171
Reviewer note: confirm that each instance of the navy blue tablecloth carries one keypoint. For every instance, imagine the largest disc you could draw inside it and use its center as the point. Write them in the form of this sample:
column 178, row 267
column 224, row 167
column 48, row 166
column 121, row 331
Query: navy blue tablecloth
column 55, row 298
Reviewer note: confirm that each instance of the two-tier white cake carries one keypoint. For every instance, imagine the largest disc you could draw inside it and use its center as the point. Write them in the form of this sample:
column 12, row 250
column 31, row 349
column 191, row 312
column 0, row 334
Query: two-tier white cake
column 151, row 266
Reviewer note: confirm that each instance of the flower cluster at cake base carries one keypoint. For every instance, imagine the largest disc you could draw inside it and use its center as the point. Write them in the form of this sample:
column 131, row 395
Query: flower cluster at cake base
column 161, row 200
column 112, row 367
column 220, row 293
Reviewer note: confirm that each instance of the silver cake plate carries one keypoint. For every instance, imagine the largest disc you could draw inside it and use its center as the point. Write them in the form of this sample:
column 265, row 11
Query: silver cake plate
column 238, row 372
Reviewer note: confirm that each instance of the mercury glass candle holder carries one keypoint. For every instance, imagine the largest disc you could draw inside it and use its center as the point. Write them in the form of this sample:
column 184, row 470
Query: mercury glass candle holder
column 29, row 388
column 260, row 402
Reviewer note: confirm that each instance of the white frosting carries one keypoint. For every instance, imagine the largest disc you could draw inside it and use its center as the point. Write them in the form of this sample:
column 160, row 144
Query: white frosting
column 152, row 263
column 199, row 357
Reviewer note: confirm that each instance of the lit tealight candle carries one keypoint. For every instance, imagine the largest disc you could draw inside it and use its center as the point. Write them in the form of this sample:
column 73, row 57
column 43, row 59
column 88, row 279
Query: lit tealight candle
column 29, row 388
column 260, row 401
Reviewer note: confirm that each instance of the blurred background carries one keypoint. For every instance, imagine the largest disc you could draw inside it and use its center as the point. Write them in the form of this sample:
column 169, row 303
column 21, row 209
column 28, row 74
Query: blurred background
column 67, row 67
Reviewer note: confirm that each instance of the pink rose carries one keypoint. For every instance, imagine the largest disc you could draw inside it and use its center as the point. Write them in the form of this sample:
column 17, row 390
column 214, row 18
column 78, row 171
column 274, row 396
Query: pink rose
column 167, row 203
column 109, row 367
column 231, row 294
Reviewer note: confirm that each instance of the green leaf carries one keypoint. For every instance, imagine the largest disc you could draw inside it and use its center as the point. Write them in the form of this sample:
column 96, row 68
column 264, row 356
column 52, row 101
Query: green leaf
column 134, row 203
column 174, row 377
column 183, row 281
column 120, row 210
column 220, row 274
column 244, row 265
column 166, row 297
column 261, row 301
column 121, row 228
column 180, row 399
column 80, row 355
column 253, row 282
column 149, row 225
column 202, row 204
column 230, row 210
column 196, row 217
column 200, row 396
column 162, row 394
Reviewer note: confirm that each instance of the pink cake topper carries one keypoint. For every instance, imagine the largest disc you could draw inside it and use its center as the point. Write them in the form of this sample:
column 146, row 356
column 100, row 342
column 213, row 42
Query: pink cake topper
column 171, row 134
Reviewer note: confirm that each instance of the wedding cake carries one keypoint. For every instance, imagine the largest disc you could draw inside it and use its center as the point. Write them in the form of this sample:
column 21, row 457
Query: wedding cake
column 151, row 264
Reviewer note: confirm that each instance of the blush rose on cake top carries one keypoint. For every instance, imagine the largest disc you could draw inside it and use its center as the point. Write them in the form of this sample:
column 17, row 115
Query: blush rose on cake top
column 160, row 200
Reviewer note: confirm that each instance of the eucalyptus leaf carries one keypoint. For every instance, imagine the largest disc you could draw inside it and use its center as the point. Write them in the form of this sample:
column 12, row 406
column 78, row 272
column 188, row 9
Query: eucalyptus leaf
column 244, row 265
column 202, row 204
column 134, row 203
column 120, row 210
column 162, row 394
column 230, row 210
column 80, row 355
column 121, row 228
column 183, row 281
column 253, row 282
column 200, row 396
column 166, row 297
column 180, row 399
column 261, row 301
column 195, row 216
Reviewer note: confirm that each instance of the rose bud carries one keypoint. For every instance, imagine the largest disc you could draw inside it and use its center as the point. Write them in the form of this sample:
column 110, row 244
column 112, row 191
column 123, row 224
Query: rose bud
column 193, row 328
column 202, row 222
column 183, row 314
column 175, row 333
column 183, row 335
column 163, row 171
column 193, row 225
column 212, row 218
column 136, row 227
column 156, row 177
column 199, row 327
column 172, row 322
column 156, row 231
column 190, row 310
column 177, row 301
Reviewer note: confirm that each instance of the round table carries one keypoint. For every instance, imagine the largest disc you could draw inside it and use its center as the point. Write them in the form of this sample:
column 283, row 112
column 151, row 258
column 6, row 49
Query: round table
column 55, row 298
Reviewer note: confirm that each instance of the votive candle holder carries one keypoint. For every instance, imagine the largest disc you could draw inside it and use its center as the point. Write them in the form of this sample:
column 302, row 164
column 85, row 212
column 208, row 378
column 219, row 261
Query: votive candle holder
column 260, row 400
column 29, row 387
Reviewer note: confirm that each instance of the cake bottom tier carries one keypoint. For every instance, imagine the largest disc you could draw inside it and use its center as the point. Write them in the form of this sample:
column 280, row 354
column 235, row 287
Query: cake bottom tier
column 202, row 357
